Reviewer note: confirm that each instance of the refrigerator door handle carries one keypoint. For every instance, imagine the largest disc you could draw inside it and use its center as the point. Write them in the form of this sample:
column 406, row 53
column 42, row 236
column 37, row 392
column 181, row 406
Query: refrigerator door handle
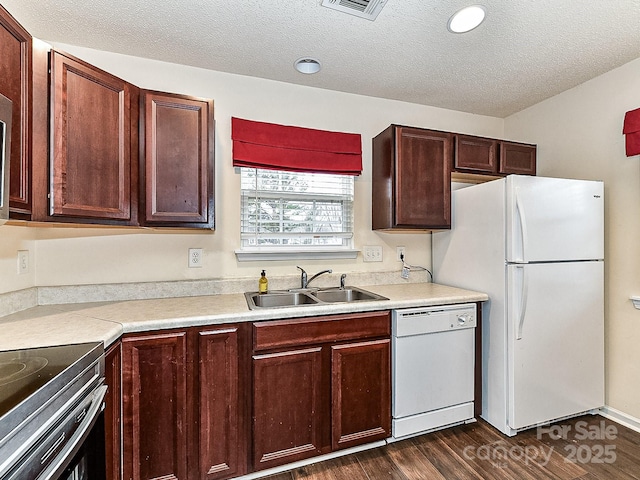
column 523, row 301
column 523, row 225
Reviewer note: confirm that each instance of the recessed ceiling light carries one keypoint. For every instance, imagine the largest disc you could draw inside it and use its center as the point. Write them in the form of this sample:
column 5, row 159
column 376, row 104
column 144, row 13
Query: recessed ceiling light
column 466, row 19
column 307, row 65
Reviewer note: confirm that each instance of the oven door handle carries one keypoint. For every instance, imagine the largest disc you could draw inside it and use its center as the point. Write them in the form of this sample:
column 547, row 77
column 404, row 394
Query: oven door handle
column 79, row 436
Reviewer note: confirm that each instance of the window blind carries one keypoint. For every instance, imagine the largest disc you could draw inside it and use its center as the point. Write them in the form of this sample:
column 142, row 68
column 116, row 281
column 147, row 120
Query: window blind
column 280, row 209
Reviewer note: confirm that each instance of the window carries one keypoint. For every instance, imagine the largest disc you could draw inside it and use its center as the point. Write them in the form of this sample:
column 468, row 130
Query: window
column 285, row 210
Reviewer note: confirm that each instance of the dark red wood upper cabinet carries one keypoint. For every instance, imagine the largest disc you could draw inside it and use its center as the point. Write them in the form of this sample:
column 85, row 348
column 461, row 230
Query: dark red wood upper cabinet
column 517, row 158
column 177, row 146
column 16, row 85
column 475, row 154
column 488, row 156
column 91, row 142
column 411, row 179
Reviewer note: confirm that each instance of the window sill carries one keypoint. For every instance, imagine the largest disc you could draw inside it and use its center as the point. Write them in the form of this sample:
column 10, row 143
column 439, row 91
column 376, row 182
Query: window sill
column 262, row 255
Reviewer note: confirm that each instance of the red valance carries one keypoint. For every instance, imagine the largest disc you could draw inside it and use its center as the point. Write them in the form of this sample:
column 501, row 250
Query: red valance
column 631, row 130
column 280, row 147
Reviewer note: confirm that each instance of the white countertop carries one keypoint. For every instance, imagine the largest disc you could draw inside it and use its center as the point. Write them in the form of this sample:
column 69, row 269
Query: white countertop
column 85, row 322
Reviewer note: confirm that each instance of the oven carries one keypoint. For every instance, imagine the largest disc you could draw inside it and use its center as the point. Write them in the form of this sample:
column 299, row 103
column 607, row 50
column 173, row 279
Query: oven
column 51, row 413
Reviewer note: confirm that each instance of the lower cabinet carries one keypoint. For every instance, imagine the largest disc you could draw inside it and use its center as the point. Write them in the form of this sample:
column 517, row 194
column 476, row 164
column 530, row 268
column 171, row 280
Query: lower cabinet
column 360, row 393
column 287, row 406
column 158, row 432
column 319, row 384
column 113, row 411
column 221, row 421
column 221, row 401
column 183, row 410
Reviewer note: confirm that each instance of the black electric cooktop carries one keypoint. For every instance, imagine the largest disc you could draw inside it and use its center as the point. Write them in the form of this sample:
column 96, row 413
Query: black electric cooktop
column 38, row 389
column 25, row 372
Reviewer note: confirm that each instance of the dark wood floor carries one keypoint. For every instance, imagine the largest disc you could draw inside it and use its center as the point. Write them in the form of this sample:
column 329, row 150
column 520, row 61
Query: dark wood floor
column 585, row 448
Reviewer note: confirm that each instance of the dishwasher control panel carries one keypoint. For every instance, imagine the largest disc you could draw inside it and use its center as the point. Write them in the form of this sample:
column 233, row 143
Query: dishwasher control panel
column 421, row 320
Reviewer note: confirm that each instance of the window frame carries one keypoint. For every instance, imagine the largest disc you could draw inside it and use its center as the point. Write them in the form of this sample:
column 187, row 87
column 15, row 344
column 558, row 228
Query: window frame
column 296, row 251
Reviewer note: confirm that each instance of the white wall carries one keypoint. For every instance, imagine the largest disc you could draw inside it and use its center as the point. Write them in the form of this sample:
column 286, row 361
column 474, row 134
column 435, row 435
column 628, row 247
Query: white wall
column 69, row 256
column 579, row 135
column 12, row 240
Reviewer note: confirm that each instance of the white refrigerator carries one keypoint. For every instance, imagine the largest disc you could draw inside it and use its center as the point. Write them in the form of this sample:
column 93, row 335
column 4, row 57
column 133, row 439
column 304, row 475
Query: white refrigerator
column 535, row 245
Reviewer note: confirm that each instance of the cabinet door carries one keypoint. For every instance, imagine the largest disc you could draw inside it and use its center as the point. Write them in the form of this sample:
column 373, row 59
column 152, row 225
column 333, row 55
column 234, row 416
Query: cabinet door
column 221, row 439
column 113, row 411
column 91, row 141
column 423, row 178
column 15, row 84
column 517, row 158
column 287, row 407
column 177, row 147
column 361, row 393
column 476, row 154
column 156, row 426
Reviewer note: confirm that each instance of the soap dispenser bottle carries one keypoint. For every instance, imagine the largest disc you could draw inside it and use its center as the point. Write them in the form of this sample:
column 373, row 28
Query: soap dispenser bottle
column 263, row 283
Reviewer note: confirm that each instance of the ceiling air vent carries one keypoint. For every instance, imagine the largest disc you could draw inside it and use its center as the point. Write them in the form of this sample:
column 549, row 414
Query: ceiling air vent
column 368, row 9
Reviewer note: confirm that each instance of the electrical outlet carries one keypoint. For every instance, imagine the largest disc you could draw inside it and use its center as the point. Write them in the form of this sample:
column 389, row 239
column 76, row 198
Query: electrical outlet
column 400, row 254
column 195, row 258
column 405, row 272
column 372, row 253
column 23, row 262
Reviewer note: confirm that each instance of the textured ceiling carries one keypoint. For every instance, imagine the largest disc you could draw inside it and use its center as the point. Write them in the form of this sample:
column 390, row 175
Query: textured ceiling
column 524, row 52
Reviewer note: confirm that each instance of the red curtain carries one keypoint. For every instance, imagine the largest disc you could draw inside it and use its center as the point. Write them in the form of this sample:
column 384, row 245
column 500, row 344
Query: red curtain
column 631, row 130
column 280, row 147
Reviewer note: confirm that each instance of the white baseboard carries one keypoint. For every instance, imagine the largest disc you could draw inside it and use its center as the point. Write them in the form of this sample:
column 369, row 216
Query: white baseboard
column 620, row 417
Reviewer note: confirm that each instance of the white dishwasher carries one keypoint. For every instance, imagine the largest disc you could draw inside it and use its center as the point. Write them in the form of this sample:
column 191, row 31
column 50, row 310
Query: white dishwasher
column 433, row 355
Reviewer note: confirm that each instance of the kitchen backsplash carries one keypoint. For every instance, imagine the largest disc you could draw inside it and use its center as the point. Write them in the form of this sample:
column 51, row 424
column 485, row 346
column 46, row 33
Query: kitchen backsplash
column 22, row 299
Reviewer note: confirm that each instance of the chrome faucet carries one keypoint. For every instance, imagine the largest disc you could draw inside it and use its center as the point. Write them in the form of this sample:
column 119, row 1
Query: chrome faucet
column 342, row 279
column 304, row 283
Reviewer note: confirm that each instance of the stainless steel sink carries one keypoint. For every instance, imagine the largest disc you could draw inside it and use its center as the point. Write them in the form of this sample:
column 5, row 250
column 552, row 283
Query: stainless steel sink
column 347, row 294
column 278, row 299
column 321, row 296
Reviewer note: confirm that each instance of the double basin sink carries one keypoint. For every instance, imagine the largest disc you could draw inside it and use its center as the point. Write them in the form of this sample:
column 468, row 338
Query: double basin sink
column 319, row 296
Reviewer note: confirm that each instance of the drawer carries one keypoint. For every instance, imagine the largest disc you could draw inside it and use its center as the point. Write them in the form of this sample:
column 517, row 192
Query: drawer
column 314, row 330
